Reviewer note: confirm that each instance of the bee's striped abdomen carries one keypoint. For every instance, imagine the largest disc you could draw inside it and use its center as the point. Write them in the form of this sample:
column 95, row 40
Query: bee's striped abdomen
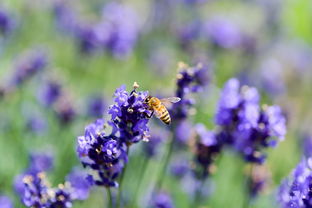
column 165, row 117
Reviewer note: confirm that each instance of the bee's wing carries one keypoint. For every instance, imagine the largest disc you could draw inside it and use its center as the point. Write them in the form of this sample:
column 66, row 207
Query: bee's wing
column 170, row 100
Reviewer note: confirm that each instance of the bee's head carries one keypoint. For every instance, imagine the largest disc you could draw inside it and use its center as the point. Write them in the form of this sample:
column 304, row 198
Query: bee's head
column 147, row 99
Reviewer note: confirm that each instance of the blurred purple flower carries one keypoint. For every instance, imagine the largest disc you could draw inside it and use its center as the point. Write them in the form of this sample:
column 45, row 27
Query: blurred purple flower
column 183, row 132
column 40, row 162
column 50, row 93
column 189, row 80
column 270, row 71
column 189, row 32
column 65, row 17
column 157, row 138
column 6, row 22
column 207, row 147
column 37, row 193
column 244, row 125
column 122, row 24
column 162, row 200
column 223, row 33
column 88, row 38
column 295, row 191
column 96, row 106
column 65, row 110
column 160, row 60
column 36, row 124
column 5, row 202
column 307, row 145
column 79, row 183
column 180, row 166
column 30, row 64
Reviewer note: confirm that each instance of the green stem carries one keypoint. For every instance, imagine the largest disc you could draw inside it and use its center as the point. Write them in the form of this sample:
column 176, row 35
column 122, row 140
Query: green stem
column 246, row 203
column 141, row 177
column 162, row 174
column 119, row 197
column 109, row 196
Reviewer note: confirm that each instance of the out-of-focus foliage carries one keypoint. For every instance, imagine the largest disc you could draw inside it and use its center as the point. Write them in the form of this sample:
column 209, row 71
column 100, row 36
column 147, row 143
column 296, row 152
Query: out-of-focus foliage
column 62, row 60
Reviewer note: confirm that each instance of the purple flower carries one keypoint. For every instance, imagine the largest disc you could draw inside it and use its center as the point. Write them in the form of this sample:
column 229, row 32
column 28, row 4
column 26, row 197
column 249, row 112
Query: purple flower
column 270, row 71
column 295, row 191
column 162, row 200
column 189, row 32
column 152, row 146
column 207, row 147
column 88, row 38
column 183, row 132
column 189, row 80
column 223, row 33
column 79, row 183
column 96, row 106
column 6, row 22
column 106, row 153
column 92, row 131
column 180, row 166
column 50, row 93
column 244, row 125
column 65, row 110
column 122, row 23
column 307, row 145
column 37, row 193
column 5, row 202
column 65, row 17
column 128, row 114
column 28, row 66
column 36, row 124
column 40, row 162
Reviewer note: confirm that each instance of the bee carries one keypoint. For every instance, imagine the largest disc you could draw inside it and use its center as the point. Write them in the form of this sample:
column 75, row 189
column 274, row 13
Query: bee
column 158, row 106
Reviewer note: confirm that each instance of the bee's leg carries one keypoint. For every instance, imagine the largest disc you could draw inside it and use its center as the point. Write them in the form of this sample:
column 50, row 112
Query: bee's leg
column 149, row 116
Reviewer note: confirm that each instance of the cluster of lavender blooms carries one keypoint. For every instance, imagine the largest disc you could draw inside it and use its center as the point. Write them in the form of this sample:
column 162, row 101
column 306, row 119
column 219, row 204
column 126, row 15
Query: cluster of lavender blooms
column 218, row 31
column 28, row 65
column 6, row 22
column 52, row 95
column 116, row 31
column 96, row 106
column 244, row 125
column 106, row 154
column 296, row 190
column 206, row 148
column 35, row 190
column 162, row 200
column 189, row 80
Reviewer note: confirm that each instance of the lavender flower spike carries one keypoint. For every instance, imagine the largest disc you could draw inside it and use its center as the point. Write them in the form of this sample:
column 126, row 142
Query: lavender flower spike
column 246, row 126
column 163, row 200
column 6, row 22
column 296, row 191
column 106, row 153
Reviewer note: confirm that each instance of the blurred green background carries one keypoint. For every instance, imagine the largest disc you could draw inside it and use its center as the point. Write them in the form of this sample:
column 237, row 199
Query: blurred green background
column 83, row 75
